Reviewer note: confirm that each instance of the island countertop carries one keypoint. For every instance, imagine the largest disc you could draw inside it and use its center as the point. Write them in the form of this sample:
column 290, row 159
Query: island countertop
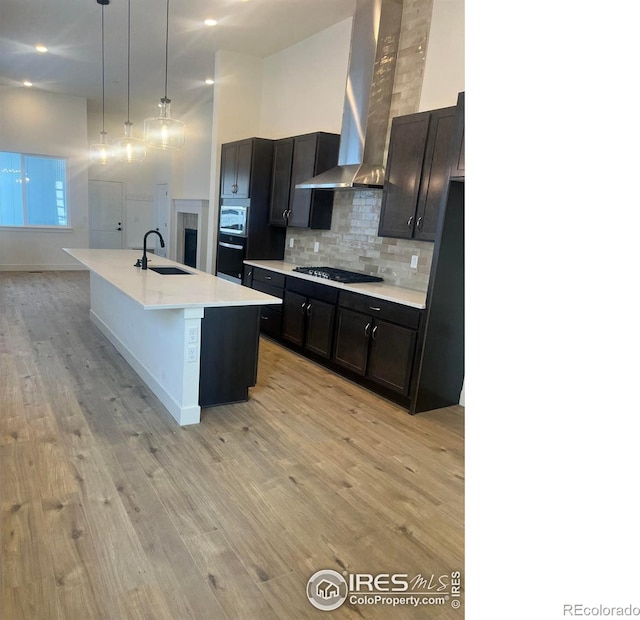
column 381, row 290
column 154, row 291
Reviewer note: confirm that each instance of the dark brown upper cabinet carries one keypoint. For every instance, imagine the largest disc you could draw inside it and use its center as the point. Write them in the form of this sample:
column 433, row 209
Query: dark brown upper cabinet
column 296, row 160
column 281, row 181
column 418, row 167
column 235, row 176
column 457, row 158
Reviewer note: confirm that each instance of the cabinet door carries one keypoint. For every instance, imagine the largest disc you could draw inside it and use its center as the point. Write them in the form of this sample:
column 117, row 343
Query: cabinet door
column 404, row 169
column 391, row 356
column 228, row 170
column 243, row 169
column 352, row 340
column 293, row 317
column 270, row 321
column 281, row 182
column 435, row 174
column 319, row 332
column 247, row 276
column 457, row 156
column 304, row 157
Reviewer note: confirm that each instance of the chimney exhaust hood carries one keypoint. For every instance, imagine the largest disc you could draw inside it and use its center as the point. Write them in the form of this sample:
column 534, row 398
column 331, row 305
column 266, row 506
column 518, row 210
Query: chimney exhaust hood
column 365, row 118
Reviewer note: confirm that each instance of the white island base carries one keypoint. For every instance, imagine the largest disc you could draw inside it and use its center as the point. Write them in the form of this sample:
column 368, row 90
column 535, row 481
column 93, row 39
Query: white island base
column 192, row 338
column 154, row 344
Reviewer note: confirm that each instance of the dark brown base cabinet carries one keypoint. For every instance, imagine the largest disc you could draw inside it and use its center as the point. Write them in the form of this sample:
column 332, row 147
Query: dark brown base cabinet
column 376, row 349
column 228, row 354
column 271, row 283
column 369, row 340
column 307, row 320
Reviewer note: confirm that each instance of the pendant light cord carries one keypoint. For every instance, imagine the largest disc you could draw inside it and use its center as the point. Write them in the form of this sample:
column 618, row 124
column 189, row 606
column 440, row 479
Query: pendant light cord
column 166, row 54
column 128, row 61
column 102, row 68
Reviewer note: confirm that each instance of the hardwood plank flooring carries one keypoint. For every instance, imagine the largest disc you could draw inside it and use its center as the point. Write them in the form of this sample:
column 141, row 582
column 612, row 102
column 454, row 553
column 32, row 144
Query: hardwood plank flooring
column 109, row 509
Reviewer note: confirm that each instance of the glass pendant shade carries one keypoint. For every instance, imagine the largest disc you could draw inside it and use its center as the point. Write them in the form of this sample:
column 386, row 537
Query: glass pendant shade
column 129, row 149
column 164, row 132
column 101, row 153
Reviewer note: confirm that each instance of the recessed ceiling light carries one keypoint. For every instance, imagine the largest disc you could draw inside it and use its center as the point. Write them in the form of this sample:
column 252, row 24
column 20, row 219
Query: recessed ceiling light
column 27, row 83
column 41, row 48
column 210, row 22
column 208, row 81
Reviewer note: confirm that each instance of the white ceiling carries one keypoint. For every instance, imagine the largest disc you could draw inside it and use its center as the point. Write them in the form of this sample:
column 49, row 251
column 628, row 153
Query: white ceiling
column 71, row 30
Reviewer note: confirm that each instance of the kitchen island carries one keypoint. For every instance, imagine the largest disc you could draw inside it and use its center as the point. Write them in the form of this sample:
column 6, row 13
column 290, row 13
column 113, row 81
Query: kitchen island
column 192, row 337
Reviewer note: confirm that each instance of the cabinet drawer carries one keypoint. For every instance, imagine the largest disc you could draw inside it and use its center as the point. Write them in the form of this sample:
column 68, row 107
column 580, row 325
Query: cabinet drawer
column 270, row 320
column 396, row 313
column 311, row 289
column 269, row 277
column 269, row 289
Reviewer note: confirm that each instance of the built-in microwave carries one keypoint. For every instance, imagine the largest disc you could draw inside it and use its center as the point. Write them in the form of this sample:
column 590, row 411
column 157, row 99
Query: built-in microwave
column 234, row 219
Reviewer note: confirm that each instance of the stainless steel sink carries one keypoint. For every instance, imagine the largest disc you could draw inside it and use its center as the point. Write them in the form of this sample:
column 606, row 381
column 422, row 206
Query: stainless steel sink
column 170, row 271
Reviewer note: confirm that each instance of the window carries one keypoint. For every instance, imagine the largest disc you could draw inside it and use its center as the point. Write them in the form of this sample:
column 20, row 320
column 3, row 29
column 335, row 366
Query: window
column 33, row 190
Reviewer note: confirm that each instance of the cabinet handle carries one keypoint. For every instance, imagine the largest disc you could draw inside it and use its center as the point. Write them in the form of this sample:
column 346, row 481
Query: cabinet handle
column 268, row 278
column 374, row 308
column 367, row 328
column 303, row 307
column 284, row 214
column 373, row 333
column 264, row 318
column 249, row 274
column 410, row 221
column 419, row 224
column 308, row 309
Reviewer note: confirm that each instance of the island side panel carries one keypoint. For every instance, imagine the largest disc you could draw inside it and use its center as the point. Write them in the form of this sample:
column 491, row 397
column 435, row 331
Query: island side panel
column 229, row 358
column 158, row 344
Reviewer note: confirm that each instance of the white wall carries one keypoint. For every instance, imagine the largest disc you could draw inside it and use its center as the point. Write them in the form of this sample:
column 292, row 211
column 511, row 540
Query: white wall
column 38, row 122
column 196, row 155
column 303, row 85
column 444, row 67
column 237, row 100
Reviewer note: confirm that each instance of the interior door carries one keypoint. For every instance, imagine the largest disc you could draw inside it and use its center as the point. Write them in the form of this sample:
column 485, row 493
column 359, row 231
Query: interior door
column 105, row 214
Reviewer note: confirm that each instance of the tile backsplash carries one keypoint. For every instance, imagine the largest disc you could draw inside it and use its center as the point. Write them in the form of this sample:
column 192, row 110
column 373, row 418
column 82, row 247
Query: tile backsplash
column 353, row 243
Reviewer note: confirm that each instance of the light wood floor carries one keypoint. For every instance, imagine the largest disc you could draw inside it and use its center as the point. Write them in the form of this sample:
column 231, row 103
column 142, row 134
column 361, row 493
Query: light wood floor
column 111, row 510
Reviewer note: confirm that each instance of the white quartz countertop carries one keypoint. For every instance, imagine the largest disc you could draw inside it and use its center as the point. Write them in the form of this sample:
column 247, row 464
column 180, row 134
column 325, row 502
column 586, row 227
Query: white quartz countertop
column 381, row 290
column 162, row 292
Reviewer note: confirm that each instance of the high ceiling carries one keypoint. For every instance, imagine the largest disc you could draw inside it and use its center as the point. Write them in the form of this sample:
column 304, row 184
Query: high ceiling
column 71, row 30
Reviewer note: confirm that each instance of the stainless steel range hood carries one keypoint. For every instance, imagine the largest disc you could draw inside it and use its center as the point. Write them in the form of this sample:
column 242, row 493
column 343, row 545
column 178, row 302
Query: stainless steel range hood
column 367, row 104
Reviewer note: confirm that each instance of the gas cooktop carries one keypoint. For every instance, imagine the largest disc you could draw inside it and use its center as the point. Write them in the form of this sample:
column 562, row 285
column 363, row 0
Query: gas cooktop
column 338, row 275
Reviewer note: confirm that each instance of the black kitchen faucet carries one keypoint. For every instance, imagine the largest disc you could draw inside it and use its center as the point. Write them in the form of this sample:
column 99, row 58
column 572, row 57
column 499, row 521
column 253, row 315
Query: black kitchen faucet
column 142, row 262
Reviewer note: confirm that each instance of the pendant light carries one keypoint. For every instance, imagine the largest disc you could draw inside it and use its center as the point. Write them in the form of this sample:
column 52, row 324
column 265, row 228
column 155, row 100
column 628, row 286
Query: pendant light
column 129, row 149
column 164, row 132
column 102, row 152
